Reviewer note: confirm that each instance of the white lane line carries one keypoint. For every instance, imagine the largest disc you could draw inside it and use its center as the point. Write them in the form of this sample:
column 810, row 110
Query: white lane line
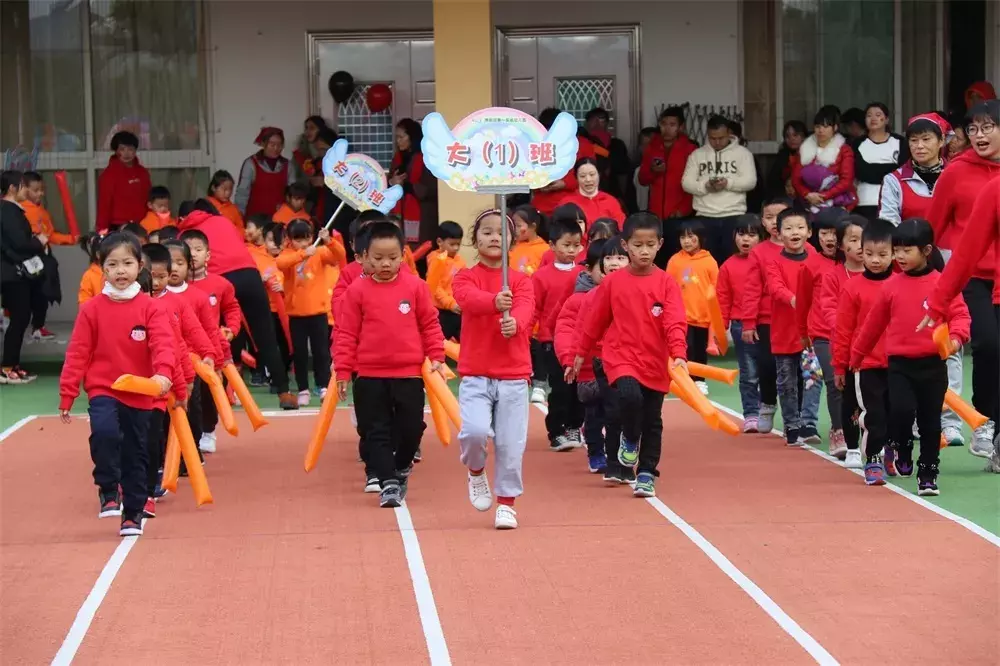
column 85, row 615
column 17, row 426
column 437, row 648
column 766, row 603
column 916, row 499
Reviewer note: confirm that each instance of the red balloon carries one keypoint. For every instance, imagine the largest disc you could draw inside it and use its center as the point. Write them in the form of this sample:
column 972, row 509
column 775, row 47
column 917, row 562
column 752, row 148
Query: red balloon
column 379, row 98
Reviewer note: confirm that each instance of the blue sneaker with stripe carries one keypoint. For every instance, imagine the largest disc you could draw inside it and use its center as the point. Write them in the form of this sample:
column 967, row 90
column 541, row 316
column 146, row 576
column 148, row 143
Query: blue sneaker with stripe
column 645, row 485
column 628, row 452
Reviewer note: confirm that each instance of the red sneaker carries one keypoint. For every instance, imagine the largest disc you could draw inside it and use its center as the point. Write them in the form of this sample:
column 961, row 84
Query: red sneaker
column 149, row 511
column 43, row 334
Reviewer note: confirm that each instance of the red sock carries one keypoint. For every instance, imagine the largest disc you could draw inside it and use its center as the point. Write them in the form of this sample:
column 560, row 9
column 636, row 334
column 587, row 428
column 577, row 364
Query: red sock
column 509, row 501
column 477, row 472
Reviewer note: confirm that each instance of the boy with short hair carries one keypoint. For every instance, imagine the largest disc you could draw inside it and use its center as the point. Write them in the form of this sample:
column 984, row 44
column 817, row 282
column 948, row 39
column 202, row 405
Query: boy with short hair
column 391, row 310
column 783, row 273
column 553, row 284
column 294, row 207
column 41, row 225
column 123, row 187
column 638, row 314
column 441, row 270
column 158, row 215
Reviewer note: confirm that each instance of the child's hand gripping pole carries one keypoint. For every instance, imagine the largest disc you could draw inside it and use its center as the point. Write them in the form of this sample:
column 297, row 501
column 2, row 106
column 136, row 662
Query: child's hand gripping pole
column 435, row 383
column 257, row 419
column 196, row 473
column 715, row 317
column 322, row 426
column 329, row 223
column 945, row 345
column 963, row 409
column 219, row 397
column 713, row 373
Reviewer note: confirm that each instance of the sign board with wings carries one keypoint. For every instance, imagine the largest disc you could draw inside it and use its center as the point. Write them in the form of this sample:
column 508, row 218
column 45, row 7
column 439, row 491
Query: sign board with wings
column 499, row 150
column 358, row 180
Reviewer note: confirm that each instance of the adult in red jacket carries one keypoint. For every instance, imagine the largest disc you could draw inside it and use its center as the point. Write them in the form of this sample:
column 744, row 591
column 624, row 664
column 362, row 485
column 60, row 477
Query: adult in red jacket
column 264, row 176
column 123, row 187
column 592, row 201
column 547, row 198
column 965, row 226
column 419, row 205
column 230, row 258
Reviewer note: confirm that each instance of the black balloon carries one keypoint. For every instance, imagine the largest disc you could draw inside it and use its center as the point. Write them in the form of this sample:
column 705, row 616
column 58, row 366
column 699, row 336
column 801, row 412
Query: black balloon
column 341, row 86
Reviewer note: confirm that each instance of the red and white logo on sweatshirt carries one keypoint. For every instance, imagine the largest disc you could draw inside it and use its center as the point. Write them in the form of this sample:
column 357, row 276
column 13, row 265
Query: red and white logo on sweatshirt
column 139, row 333
column 657, row 309
column 404, row 307
column 212, row 300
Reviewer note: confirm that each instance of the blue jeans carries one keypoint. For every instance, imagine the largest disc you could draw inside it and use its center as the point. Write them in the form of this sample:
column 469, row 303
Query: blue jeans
column 119, row 449
column 746, row 356
column 799, row 405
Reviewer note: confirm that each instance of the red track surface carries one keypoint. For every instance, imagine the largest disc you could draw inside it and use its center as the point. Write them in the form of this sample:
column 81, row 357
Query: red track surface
column 295, row 568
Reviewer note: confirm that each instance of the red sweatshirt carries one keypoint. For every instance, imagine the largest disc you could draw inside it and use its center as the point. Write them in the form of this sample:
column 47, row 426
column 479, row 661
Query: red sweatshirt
column 731, row 287
column 783, row 276
column 566, row 329
column 485, row 352
column 193, row 336
column 601, row 205
column 666, row 194
column 808, row 301
column 387, row 329
column 228, row 248
column 348, row 274
column 855, row 303
column 951, row 209
column 641, row 321
column 980, row 240
column 834, row 283
column 546, row 202
column 552, row 287
column 225, row 307
column 898, row 310
column 756, row 301
column 183, row 373
column 207, row 320
column 113, row 338
column 122, row 193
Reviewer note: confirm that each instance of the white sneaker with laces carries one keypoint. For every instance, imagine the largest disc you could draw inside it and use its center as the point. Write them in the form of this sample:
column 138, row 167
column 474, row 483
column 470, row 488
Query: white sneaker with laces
column 322, row 394
column 207, row 443
column 702, row 386
column 304, row 398
column 853, row 460
column 953, row 436
column 538, row 395
column 982, row 440
column 479, row 492
column 506, row 518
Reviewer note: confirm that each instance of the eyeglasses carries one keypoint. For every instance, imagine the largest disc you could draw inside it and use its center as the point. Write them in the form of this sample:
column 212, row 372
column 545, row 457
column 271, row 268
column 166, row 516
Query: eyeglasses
column 973, row 130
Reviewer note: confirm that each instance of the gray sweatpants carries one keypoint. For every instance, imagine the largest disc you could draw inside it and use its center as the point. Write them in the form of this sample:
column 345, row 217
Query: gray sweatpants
column 497, row 409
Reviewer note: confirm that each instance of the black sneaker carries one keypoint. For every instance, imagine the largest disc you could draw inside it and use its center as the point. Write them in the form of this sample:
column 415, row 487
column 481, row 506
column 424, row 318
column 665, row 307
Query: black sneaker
column 627, row 477
column 390, row 498
column 793, row 437
column 131, row 525
column 111, row 504
column 927, row 480
column 371, row 484
column 809, row 435
column 612, row 474
column 418, row 456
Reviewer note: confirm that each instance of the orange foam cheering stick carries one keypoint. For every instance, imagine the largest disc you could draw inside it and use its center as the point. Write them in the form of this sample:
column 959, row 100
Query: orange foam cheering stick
column 136, row 384
column 196, row 473
column 451, row 349
column 435, row 383
column 713, row 373
column 219, row 396
column 440, row 418
column 422, row 251
column 67, row 202
column 322, row 425
column 248, row 359
column 171, row 461
column 964, row 410
column 689, row 393
column 715, row 320
column 257, row 419
column 942, row 338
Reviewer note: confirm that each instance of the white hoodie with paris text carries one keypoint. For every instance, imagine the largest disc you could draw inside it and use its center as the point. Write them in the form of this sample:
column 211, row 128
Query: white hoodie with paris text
column 735, row 164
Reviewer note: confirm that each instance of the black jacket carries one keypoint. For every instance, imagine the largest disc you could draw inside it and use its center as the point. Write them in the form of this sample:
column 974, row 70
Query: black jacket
column 17, row 244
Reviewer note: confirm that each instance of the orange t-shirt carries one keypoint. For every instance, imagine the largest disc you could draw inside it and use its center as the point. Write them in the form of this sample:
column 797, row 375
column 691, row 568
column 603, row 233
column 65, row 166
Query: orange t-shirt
column 307, row 287
column 441, row 271
column 153, row 222
column 228, row 210
column 41, row 223
column 285, row 214
column 90, row 284
column 527, row 257
column 268, row 268
column 408, row 259
column 694, row 273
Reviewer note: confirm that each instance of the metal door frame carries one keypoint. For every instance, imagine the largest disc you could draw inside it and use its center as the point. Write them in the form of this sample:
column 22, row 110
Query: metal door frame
column 632, row 31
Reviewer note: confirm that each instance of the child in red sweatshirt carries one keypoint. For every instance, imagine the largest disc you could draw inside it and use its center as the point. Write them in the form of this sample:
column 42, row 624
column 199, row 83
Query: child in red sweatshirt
column 828, row 232
column 119, row 331
column 639, row 314
column 495, row 367
column 387, row 327
column 799, row 406
column 866, row 390
column 849, row 264
column 552, row 285
column 225, row 313
column 917, row 378
column 730, row 290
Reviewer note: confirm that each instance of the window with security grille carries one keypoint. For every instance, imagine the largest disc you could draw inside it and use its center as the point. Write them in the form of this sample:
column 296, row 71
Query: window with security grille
column 578, row 96
column 366, row 132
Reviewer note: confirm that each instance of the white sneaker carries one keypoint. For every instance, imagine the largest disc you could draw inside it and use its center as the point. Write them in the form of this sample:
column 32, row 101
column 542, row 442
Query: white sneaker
column 853, row 460
column 372, row 485
column 207, row 443
column 538, row 395
column 916, row 431
column 982, row 440
column 303, row 398
column 953, row 436
column 322, row 394
column 702, row 386
column 479, row 492
column 354, row 421
column 506, row 518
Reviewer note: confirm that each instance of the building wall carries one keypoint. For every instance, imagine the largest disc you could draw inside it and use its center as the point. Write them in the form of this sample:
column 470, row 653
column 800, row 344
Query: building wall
column 689, row 52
